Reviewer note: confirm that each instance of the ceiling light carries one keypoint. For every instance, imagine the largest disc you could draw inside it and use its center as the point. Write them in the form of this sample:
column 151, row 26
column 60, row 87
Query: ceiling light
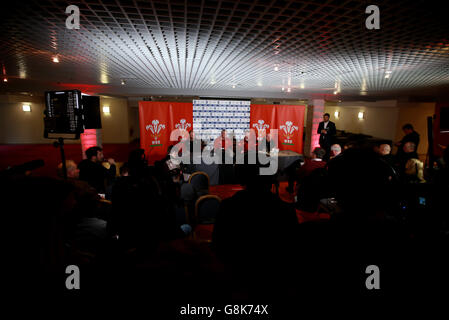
column 106, row 110
column 123, row 82
column 55, row 59
column 276, row 68
column 26, row 107
column 233, row 86
column 283, row 89
column 289, row 90
column 5, row 79
column 335, row 92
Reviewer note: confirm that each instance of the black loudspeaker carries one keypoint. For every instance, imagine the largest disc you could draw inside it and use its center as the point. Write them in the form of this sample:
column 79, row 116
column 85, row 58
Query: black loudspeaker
column 91, row 109
column 63, row 113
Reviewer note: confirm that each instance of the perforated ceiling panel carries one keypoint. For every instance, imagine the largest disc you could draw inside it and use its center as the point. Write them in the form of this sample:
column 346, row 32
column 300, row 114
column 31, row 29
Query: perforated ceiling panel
column 255, row 46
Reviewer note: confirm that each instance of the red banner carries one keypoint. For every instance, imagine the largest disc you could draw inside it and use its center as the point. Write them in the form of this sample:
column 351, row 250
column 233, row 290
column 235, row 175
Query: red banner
column 289, row 120
column 262, row 119
column 157, row 121
column 290, row 123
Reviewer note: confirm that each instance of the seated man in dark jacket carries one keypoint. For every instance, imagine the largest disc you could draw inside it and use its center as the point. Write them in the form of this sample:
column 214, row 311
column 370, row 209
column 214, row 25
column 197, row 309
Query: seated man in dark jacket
column 92, row 170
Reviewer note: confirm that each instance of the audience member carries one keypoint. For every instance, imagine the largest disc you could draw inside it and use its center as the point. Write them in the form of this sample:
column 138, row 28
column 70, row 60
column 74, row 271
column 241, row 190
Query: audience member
column 124, row 170
column 408, row 153
column 414, row 171
column 315, row 162
column 384, row 149
column 92, row 170
column 72, row 170
column 335, row 150
column 312, row 185
column 384, row 152
column 300, row 168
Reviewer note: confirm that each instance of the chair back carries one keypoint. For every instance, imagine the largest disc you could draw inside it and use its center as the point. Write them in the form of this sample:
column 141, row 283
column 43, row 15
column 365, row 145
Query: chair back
column 200, row 182
column 206, row 209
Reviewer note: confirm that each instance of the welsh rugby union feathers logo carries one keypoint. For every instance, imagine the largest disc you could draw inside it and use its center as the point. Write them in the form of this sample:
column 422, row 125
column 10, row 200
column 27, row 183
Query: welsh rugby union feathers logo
column 183, row 126
column 156, row 129
column 261, row 128
column 288, row 130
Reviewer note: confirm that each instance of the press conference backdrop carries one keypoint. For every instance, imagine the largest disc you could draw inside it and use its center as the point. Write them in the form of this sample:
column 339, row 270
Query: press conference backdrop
column 212, row 116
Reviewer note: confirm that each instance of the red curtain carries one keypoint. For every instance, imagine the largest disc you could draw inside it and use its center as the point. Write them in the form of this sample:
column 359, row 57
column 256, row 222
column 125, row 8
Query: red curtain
column 262, row 119
column 158, row 120
column 289, row 120
column 290, row 123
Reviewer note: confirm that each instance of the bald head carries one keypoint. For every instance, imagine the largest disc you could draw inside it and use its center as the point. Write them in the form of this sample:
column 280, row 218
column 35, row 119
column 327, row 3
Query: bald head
column 409, row 147
column 384, row 149
column 72, row 169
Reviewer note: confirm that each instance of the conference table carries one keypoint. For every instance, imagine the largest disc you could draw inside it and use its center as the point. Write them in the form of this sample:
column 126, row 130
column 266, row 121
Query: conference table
column 225, row 173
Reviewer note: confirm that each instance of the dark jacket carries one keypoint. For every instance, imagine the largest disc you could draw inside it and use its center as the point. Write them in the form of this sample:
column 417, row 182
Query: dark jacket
column 326, row 140
column 95, row 174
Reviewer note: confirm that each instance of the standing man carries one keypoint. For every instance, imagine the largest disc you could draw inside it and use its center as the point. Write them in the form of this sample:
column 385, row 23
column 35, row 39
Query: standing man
column 410, row 136
column 327, row 131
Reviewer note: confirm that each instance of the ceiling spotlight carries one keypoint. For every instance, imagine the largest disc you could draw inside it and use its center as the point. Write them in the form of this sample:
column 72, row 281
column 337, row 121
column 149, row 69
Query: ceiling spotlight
column 123, row 82
column 289, row 90
column 335, row 92
column 233, row 86
column 283, row 89
column 276, row 68
column 387, row 76
column 55, row 59
column 5, row 79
